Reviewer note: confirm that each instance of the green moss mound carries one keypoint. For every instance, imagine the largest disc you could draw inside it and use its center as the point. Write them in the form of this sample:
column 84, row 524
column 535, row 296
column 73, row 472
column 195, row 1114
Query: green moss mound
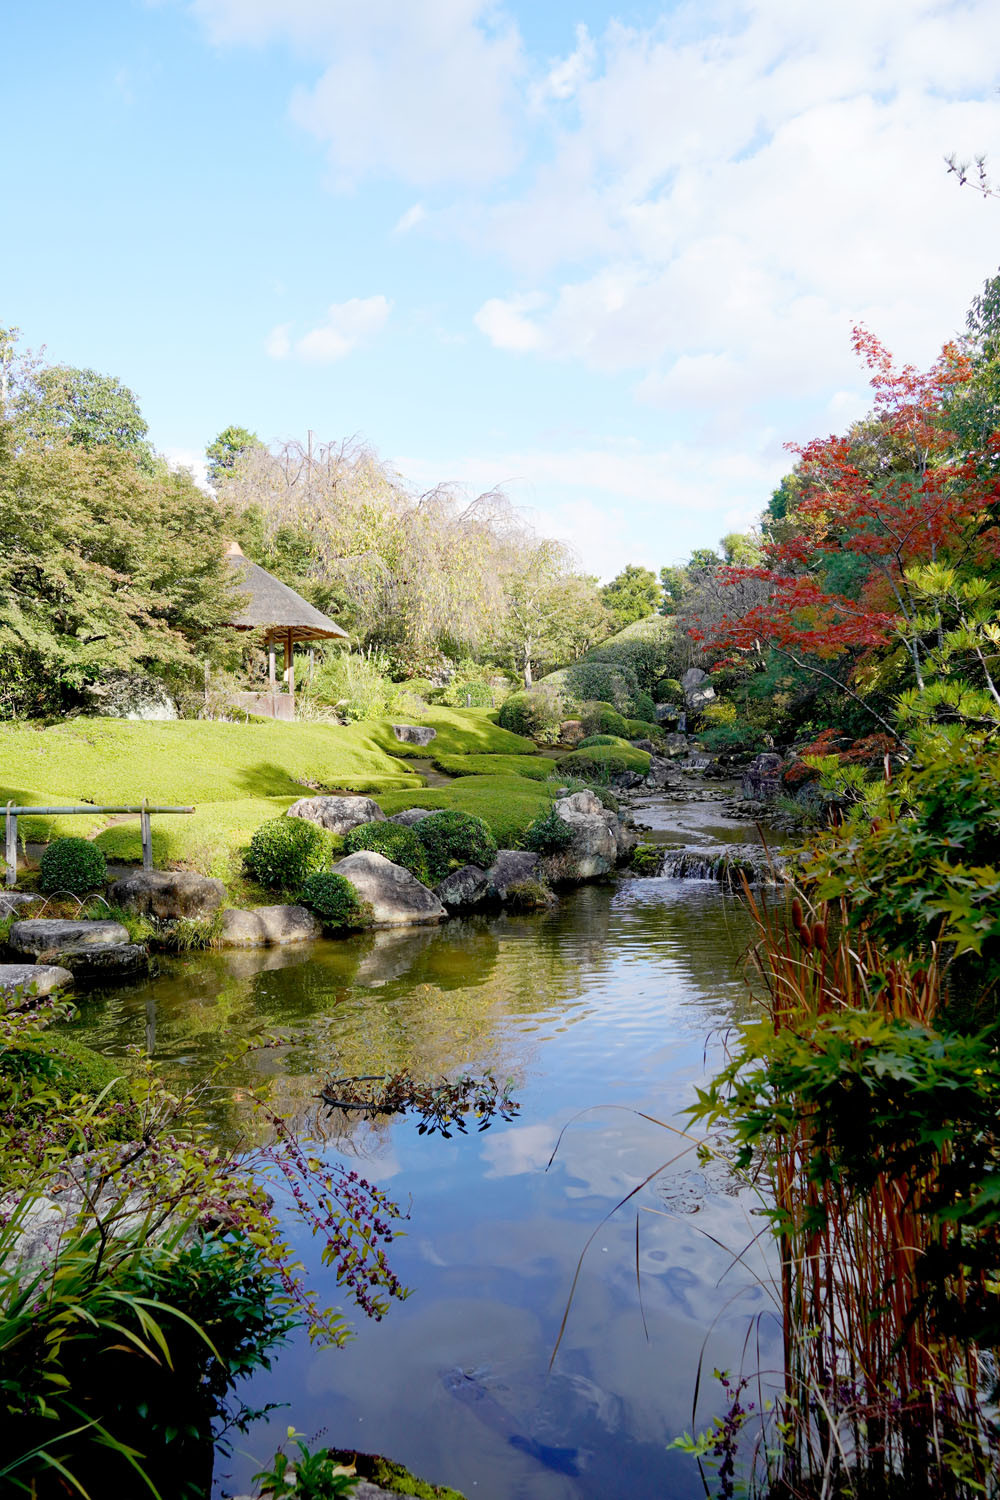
column 601, row 762
column 507, row 804
column 45, row 1075
column 534, row 767
column 458, row 732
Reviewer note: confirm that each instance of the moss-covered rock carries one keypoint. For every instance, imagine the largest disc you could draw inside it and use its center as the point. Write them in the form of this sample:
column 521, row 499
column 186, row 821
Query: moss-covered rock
column 392, row 1476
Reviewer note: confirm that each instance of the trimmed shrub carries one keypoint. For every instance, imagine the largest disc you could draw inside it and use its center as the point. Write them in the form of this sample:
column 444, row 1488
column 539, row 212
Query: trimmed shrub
column 602, row 718
column 284, row 852
column 537, row 713
column 643, row 708
column 453, row 839
column 606, row 681
column 72, row 865
column 396, row 842
column 638, row 729
column 549, row 834
column 335, row 901
column 600, row 739
column 668, row 690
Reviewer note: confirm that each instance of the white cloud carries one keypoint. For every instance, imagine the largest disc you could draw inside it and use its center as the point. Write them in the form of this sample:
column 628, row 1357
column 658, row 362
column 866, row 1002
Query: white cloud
column 347, row 326
column 426, row 92
column 565, row 77
column 506, row 325
column 413, row 216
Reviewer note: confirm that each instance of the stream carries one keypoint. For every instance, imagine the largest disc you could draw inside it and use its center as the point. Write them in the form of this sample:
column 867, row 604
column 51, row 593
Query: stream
column 614, row 1002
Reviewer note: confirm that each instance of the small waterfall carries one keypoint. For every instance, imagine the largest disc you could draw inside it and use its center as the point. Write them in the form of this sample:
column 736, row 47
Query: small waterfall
column 727, row 869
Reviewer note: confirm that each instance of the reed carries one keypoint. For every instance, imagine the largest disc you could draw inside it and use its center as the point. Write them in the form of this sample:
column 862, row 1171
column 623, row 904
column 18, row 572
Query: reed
column 881, row 1394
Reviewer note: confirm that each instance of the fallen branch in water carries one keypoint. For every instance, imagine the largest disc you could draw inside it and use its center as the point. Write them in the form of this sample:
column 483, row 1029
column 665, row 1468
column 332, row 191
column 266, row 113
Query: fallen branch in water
column 443, row 1106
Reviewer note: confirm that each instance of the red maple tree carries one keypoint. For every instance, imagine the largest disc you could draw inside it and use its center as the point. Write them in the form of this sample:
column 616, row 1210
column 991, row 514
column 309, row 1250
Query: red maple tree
column 891, row 494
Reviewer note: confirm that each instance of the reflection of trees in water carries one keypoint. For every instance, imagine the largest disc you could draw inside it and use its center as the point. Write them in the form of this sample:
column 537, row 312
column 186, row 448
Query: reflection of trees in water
column 433, row 1001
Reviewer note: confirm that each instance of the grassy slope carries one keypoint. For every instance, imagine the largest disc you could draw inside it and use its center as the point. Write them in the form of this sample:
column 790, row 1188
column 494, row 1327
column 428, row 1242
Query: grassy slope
column 237, row 775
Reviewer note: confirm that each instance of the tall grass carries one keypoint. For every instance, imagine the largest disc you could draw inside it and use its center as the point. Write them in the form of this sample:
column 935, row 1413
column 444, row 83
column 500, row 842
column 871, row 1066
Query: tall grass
column 880, row 1396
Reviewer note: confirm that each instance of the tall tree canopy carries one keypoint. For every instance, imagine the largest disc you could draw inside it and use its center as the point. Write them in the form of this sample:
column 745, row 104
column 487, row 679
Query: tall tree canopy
column 633, row 595
column 232, row 445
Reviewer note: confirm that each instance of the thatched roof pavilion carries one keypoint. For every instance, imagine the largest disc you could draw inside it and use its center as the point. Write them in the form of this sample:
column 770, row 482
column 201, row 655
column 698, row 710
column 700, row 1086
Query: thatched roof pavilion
column 278, row 614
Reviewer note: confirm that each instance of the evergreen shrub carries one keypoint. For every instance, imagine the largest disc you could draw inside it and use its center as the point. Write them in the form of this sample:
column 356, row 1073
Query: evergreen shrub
column 454, row 839
column 284, row 852
column 394, row 841
column 335, row 901
column 643, row 707
column 536, row 713
column 549, row 834
column 72, row 865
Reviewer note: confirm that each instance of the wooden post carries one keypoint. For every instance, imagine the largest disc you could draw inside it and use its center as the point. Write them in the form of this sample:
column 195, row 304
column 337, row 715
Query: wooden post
column 147, row 837
column 290, row 666
column 10, row 846
column 272, row 676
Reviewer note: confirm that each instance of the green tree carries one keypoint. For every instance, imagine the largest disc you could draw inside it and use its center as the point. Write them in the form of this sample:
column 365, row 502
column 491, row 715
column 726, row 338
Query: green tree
column 231, row 445
column 103, row 566
column 631, row 596
column 88, row 410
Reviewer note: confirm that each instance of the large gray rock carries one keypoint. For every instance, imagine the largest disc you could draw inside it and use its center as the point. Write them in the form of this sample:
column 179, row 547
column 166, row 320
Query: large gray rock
column 698, row 691
column 269, row 926
column 288, row 924
column 511, row 867
column 337, row 814
column 397, row 898
column 99, row 963
column 411, row 815
column 464, row 888
column 762, row 777
column 32, row 980
column 168, row 895
column 599, row 839
column 675, row 745
column 38, row 935
column 124, row 695
column 414, row 734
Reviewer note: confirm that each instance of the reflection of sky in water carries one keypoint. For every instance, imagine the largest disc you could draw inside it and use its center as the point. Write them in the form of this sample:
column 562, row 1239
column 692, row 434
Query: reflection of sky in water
column 604, row 1007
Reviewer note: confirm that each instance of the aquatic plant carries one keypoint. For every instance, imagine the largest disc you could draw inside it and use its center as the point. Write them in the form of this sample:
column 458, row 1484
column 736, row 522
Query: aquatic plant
column 314, row 1476
column 441, row 1107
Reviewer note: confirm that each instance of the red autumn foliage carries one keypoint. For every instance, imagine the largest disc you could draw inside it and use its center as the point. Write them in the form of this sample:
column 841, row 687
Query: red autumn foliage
column 892, row 497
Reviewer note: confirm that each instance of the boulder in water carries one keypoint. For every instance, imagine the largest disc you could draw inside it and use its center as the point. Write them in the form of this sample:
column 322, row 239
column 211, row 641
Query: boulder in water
column 397, row 898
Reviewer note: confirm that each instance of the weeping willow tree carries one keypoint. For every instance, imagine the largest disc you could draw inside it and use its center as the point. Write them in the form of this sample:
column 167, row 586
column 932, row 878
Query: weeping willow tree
column 410, row 572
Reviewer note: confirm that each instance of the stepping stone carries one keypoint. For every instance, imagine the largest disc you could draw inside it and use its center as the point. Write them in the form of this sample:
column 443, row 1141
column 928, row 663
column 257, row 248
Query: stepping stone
column 32, row 980
column 37, row 935
column 95, row 962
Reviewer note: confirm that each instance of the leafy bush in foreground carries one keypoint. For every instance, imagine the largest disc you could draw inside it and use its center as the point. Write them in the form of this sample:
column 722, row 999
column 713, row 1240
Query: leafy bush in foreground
column 453, row 839
column 284, row 852
column 335, row 901
column 72, row 865
column 394, row 841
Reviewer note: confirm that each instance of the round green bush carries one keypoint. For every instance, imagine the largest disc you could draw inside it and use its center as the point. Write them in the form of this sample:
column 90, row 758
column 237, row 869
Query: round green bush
column 335, row 901
column 284, row 852
column 453, row 839
column 643, row 708
column 536, row 713
column 549, row 833
column 72, row 865
column 601, row 739
column 638, row 729
column 668, row 690
column 396, row 842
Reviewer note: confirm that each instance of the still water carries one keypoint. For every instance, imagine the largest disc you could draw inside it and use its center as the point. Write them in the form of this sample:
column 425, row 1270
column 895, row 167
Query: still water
column 616, row 1002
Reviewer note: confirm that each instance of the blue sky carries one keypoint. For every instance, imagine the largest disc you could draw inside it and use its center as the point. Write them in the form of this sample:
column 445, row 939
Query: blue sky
column 607, row 256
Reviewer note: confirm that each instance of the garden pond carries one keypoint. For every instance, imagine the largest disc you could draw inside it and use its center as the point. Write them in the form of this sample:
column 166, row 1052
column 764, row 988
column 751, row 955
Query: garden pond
column 608, row 1008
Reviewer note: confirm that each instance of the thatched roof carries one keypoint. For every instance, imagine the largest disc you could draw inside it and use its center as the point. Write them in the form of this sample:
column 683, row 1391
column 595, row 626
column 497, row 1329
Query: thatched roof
column 276, row 609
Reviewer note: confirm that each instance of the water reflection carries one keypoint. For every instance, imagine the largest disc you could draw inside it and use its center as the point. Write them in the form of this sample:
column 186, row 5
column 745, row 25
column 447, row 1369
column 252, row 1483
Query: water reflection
column 598, row 1009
